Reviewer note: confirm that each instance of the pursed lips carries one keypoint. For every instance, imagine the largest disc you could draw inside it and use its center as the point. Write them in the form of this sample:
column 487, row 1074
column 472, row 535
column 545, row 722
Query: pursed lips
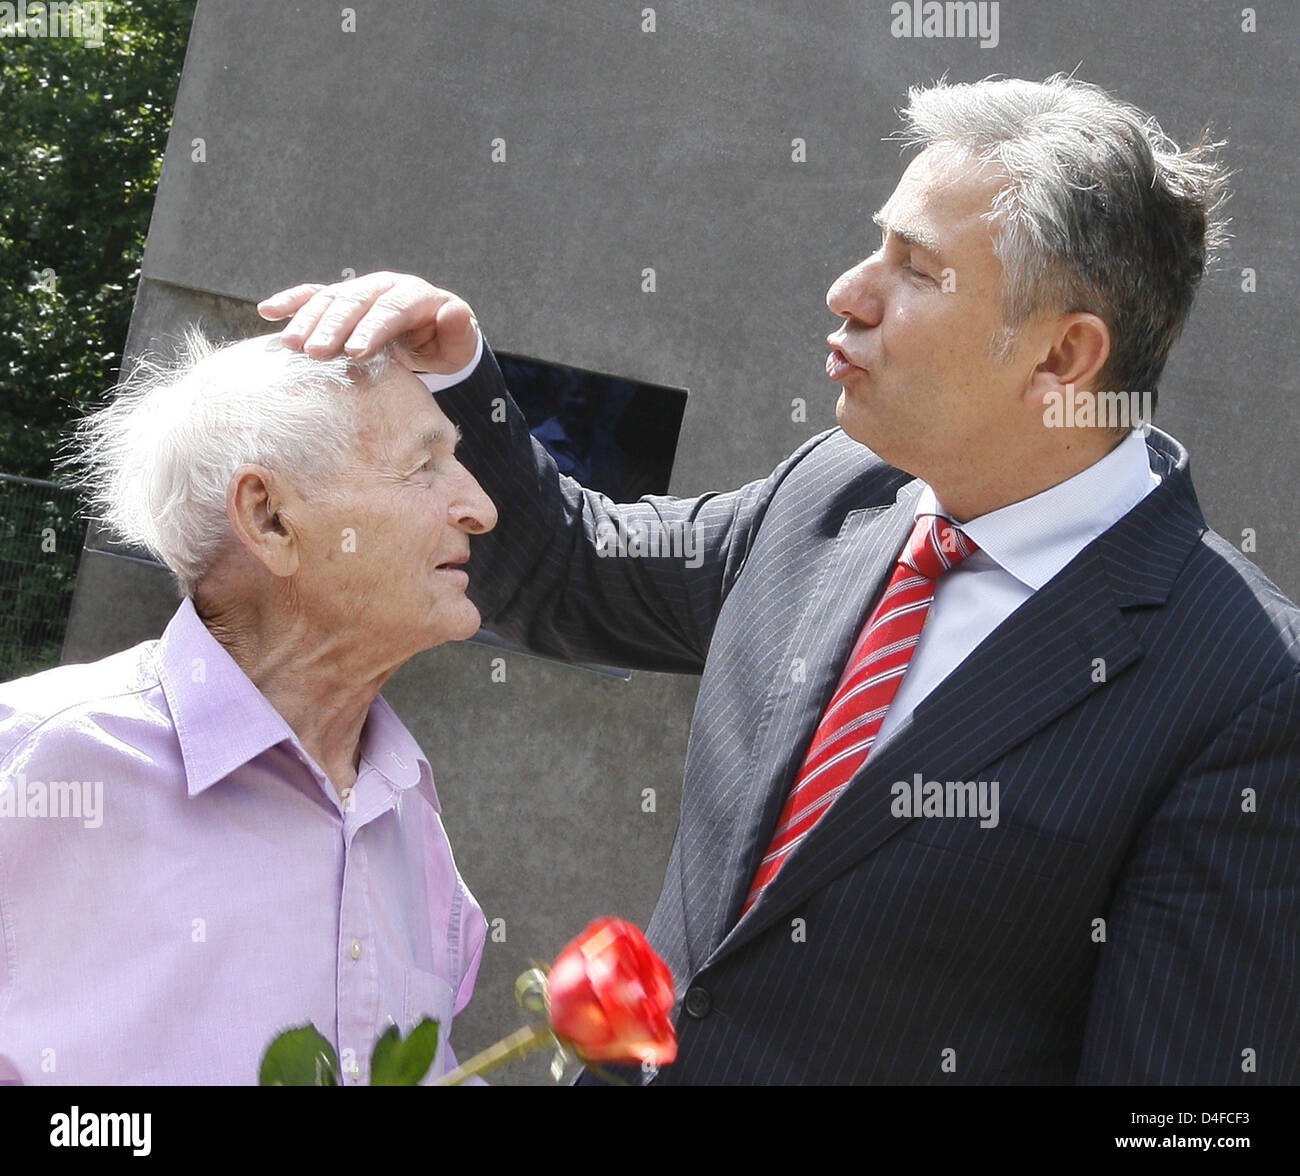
column 839, row 366
column 836, row 342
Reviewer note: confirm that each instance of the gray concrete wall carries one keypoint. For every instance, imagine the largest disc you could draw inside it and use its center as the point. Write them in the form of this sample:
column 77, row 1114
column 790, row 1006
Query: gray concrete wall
column 327, row 150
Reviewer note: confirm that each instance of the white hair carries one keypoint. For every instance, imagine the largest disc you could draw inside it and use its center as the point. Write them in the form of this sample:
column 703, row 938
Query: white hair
column 155, row 462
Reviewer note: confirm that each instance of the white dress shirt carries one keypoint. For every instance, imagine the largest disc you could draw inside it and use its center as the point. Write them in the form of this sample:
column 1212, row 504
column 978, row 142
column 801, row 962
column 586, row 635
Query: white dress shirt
column 1021, row 547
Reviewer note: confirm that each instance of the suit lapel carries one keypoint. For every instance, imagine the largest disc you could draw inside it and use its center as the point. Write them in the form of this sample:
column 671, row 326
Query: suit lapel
column 851, row 575
column 1034, row 667
column 1037, row 665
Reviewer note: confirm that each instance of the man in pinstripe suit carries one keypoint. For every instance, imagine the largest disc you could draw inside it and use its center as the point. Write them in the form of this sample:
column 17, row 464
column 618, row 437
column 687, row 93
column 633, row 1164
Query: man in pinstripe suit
column 1116, row 902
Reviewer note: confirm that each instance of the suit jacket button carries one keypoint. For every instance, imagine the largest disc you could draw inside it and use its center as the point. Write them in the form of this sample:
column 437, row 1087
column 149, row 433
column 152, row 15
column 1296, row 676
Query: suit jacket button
column 698, row 1003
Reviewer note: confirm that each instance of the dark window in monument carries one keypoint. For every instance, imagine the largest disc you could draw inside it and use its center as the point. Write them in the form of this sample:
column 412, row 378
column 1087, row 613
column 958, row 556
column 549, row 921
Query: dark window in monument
column 612, row 434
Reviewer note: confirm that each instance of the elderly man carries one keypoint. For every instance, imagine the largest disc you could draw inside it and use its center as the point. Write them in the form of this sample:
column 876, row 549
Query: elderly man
column 227, row 832
column 994, row 773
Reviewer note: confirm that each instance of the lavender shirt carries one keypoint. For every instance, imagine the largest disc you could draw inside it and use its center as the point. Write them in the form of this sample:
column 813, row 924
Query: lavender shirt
column 179, row 881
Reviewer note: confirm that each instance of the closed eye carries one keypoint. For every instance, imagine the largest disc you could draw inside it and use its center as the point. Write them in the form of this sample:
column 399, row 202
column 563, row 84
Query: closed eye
column 905, row 264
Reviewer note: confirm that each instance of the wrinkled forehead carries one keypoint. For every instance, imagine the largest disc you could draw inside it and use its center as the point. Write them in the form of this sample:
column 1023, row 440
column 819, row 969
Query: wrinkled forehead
column 400, row 418
column 945, row 196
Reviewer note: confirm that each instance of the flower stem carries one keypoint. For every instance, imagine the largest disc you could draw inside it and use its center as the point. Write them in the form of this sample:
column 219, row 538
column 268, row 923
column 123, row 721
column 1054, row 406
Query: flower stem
column 517, row 1045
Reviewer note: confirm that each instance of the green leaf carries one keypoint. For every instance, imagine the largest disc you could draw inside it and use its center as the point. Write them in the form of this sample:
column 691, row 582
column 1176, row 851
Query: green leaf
column 299, row 1057
column 403, row 1063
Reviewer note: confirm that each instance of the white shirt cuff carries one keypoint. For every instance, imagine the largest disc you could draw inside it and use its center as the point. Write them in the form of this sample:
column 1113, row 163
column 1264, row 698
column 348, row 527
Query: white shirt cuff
column 437, row 381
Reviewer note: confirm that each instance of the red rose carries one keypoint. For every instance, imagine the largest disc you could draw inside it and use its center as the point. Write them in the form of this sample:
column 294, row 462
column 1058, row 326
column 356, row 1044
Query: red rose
column 608, row 996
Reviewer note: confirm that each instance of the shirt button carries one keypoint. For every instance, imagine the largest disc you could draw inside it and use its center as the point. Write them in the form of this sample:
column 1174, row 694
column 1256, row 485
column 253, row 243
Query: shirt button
column 698, row 1003
column 355, row 950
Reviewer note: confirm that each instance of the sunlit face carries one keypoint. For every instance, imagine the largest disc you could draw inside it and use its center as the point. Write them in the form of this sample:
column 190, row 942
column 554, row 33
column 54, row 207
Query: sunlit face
column 920, row 386
column 382, row 551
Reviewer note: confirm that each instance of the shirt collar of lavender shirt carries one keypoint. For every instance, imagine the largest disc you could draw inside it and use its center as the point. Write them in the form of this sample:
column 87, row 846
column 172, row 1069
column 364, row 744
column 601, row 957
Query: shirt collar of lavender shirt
column 223, row 721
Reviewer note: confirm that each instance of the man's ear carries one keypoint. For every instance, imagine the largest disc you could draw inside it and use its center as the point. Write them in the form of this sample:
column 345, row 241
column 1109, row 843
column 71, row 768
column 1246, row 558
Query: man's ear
column 254, row 505
column 1076, row 351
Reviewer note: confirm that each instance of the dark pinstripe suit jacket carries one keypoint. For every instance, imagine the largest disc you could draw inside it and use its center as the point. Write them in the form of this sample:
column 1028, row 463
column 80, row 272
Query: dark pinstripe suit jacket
column 1141, row 713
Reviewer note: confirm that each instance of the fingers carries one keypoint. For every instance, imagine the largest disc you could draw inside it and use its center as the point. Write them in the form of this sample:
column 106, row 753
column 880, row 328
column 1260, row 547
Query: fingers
column 283, row 304
column 320, row 325
column 360, row 316
column 332, row 330
column 323, row 315
column 410, row 307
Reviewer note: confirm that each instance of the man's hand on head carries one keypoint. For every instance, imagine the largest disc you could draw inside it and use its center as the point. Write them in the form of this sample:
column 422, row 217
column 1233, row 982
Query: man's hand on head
column 359, row 317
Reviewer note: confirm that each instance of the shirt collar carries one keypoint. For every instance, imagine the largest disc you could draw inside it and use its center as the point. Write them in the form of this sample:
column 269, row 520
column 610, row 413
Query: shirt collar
column 223, row 721
column 1035, row 538
column 392, row 751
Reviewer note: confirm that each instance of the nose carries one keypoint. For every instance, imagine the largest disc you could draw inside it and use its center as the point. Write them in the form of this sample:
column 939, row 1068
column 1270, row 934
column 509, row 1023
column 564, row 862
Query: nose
column 855, row 294
column 470, row 508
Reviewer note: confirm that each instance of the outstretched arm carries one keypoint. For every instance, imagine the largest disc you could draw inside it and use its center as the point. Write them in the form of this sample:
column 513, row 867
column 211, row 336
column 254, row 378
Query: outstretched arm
column 566, row 572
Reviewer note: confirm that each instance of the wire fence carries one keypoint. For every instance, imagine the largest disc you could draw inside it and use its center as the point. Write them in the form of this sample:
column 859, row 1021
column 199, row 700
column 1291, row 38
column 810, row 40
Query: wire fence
column 42, row 529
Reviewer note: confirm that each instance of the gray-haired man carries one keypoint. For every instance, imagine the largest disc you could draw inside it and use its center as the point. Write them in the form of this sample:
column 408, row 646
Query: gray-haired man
column 1029, row 810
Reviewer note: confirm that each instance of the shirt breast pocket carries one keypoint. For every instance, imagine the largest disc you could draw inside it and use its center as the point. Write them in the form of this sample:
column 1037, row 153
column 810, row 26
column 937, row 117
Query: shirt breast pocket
column 430, row 996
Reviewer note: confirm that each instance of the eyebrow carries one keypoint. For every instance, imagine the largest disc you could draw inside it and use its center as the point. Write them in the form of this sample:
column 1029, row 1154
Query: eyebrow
column 915, row 235
column 431, row 437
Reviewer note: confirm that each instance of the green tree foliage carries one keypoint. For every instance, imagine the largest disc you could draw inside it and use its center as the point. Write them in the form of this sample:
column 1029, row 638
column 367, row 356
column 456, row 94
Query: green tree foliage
column 84, row 130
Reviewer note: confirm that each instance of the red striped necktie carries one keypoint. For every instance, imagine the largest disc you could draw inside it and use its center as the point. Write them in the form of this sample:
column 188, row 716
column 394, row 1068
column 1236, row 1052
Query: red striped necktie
column 849, row 726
